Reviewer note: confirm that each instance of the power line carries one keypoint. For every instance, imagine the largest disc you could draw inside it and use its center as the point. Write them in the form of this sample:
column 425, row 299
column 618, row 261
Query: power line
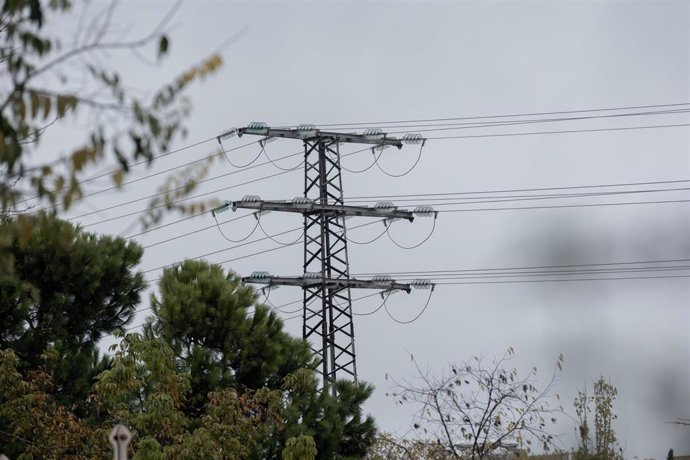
column 416, row 317
column 193, row 196
column 480, row 125
column 147, row 161
column 524, row 274
column 182, row 187
column 434, row 204
column 248, row 243
column 565, row 206
column 176, row 201
column 625, row 184
column 195, row 231
column 459, row 283
column 273, row 307
column 362, row 198
column 540, row 207
column 184, row 219
column 200, row 213
column 387, row 196
column 231, row 260
column 370, row 223
column 534, row 267
column 509, row 198
column 505, row 115
column 437, row 138
column 414, row 246
column 139, row 179
column 563, row 280
column 454, row 126
column 189, row 197
column 592, row 130
column 450, row 210
column 272, row 162
column 518, row 121
column 552, row 197
column 446, row 282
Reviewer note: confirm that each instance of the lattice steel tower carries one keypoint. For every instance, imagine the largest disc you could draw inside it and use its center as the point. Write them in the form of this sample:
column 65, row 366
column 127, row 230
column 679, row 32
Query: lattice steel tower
column 326, row 281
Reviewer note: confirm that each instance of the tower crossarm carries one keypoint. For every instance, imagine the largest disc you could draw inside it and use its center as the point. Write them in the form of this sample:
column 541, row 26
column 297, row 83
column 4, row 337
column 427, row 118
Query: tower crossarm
column 351, row 138
column 308, row 207
column 330, row 283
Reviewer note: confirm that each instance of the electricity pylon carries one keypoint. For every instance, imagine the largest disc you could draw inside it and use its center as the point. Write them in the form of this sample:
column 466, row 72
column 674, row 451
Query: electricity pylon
column 326, row 282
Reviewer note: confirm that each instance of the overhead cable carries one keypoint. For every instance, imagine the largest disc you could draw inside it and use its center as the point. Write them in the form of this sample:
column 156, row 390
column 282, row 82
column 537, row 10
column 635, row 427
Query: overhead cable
column 521, row 114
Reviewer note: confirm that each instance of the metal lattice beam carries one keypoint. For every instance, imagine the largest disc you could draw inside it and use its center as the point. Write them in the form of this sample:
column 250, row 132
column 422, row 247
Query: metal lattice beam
column 327, row 315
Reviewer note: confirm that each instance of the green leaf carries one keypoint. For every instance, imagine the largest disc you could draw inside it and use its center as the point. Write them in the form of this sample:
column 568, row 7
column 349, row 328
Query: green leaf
column 163, row 46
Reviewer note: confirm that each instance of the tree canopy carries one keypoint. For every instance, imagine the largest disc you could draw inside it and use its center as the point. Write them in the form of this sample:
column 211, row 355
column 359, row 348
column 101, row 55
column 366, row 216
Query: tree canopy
column 62, row 290
column 212, row 374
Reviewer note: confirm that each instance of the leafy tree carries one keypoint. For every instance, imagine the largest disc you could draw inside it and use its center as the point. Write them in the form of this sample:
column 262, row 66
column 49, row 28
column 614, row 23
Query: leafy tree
column 604, row 445
column 64, row 291
column 477, row 409
column 43, row 87
column 34, row 424
column 145, row 389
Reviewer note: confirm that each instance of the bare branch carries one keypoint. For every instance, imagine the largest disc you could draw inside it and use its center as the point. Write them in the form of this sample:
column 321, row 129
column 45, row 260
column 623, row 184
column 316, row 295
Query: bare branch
column 97, row 45
column 479, row 408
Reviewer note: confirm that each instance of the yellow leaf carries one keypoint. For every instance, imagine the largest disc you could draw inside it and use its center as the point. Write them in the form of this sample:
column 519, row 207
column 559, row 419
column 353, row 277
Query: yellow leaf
column 35, row 103
column 64, row 103
column 118, row 176
column 59, row 183
column 21, row 107
column 46, row 106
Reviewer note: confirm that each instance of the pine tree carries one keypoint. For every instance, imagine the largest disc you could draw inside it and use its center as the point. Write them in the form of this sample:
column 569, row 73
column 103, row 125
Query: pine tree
column 220, row 334
column 62, row 292
column 224, row 339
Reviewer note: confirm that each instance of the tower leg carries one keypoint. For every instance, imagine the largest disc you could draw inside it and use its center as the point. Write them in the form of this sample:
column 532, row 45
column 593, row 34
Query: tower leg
column 327, row 312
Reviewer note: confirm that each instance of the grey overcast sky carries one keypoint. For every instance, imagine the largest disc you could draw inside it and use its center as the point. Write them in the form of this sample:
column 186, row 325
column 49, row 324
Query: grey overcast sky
column 342, row 62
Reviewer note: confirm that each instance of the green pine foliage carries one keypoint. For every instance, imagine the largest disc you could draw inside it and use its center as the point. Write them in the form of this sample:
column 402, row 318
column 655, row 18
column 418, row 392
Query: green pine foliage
column 63, row 291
